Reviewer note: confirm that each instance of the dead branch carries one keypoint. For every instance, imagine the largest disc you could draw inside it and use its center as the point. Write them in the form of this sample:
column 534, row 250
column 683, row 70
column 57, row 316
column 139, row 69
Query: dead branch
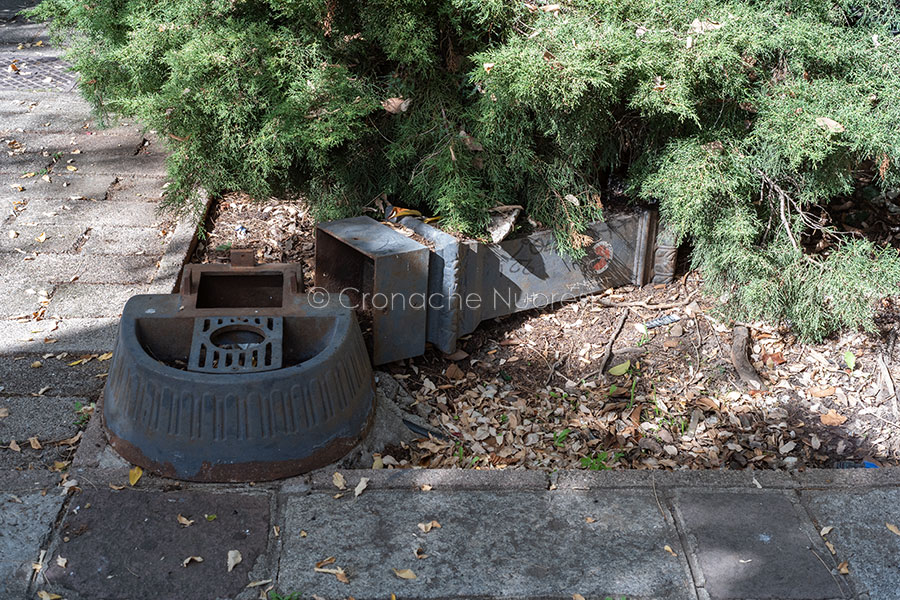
column 888, row 382
column 739, row 351
column 643, row 303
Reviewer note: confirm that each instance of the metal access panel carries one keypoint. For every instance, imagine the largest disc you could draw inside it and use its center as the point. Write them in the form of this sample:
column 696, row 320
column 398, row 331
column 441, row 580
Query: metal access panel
column 384, row 274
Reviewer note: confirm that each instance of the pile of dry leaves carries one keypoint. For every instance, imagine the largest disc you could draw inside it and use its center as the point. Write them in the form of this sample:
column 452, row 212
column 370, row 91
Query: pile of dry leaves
column 528, row 390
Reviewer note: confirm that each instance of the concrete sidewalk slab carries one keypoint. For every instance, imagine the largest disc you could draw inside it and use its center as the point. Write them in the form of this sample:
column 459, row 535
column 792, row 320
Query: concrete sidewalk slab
column 63, row 187
column 18, row 378
column 104, row 152
column 129, row 544
column 149, row 189
column 525, row 544
column 126, row 241
column 63, row 268
column 92, row 299
column 43, row 113
column 49, row 418
column 860, row 535
column 753, row 544
column 25, row 524
column 93, row 213
column 71, row 335
column 40, row 237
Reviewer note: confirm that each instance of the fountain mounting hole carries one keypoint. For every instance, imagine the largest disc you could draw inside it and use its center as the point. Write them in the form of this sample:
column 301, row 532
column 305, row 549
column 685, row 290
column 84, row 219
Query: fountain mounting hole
column 237, row 337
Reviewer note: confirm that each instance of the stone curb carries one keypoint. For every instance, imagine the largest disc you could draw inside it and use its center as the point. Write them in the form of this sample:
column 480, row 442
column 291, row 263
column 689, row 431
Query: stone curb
column 440, row 480
column 582, row 481
column 178, row 252
column 576, row 480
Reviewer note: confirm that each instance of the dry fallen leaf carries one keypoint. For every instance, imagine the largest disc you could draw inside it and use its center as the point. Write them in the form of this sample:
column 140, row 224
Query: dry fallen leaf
column 71, row 441
column 62, row 562
column 105, row 356
column 426, row 487
column 234, row 559
column 363, row 482
column 134, row 474
column 893, row 528
column 395, row 106
column 826, row 530
column 336, row 571
column 116, row 487
column 303, row 533
column 404, row 573
column 14, row 446
column 4, row 412
column 577, row 597
column 254, row 584
column 832, row 418
column 426, row 527
column 35, row 444
column 590, row 520
column 339, row 481
column 184, row 520
column 821, row 392
column 830, row 124
column 36, row 364
column 844, row 568
column 71, row 168
column 830, row 547
column 668, row 549
column 454, row 373
column 48, row 596
column 191, row 559
column 420, row 554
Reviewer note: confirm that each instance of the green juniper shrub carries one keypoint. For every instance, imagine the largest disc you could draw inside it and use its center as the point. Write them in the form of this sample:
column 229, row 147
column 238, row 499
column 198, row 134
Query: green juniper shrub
column 737, row 117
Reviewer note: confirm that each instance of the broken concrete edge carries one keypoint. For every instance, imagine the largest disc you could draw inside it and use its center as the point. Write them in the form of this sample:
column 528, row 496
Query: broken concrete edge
column 180, row 248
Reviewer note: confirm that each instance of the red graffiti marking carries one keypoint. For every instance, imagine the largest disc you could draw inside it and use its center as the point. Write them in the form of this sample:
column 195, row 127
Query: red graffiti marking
column 603, row 256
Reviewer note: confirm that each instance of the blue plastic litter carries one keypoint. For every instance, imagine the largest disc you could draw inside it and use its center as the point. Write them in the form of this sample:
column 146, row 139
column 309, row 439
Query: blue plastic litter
column 847, row 464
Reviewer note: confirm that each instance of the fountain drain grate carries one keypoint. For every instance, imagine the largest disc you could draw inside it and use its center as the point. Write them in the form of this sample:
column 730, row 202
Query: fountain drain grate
column 236, row 344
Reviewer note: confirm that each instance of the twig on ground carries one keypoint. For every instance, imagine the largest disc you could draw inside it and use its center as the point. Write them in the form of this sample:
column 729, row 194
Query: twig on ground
column 879, row 417
column 829, row 569
column 699, row 340
column 617, row 329
column 715, row 333
column 643, row 303
column 888, row 383
column 555, row 366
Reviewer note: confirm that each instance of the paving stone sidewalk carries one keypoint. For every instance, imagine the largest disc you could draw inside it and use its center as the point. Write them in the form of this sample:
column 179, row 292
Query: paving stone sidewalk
column 79, row 234
column 87, row 238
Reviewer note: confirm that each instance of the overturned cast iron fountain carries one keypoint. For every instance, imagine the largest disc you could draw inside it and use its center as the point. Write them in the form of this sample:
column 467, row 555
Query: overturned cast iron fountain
column 239, row 377
column 439, row 292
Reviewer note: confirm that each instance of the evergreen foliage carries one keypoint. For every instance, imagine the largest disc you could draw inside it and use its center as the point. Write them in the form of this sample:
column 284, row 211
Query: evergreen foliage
column 737, row 117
